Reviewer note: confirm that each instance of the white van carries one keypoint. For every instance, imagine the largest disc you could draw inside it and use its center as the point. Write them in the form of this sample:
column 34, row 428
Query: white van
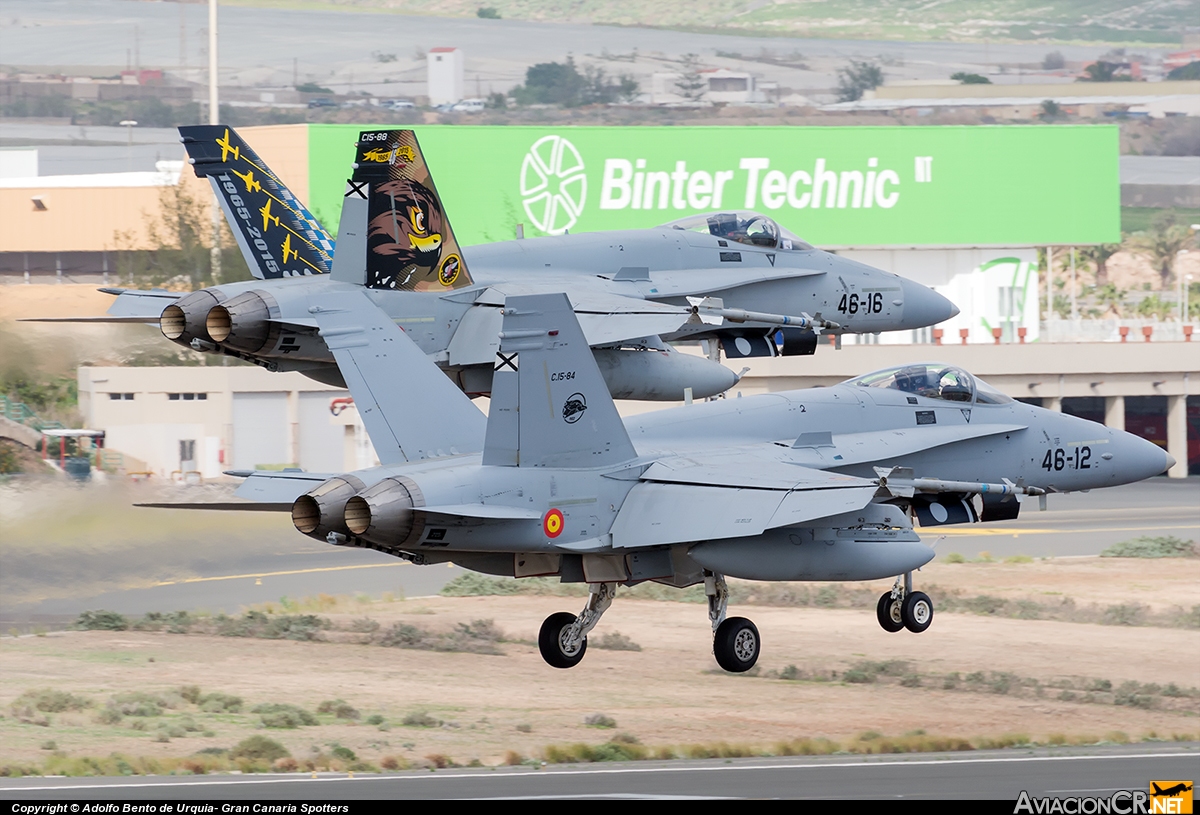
column 469, row 106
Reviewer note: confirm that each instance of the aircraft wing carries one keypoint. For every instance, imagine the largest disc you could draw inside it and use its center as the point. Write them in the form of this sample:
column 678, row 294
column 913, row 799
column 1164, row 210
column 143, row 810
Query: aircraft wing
column 606, row 319
column 693, row 498
column 131, row 306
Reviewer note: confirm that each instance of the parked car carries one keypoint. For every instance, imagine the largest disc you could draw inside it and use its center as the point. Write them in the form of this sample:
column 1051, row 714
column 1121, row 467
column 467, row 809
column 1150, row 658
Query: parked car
column 469, row 106
column 322, row 102
column 397, row 104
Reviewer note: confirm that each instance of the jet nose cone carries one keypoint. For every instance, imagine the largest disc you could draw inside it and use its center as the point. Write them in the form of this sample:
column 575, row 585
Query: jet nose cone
column 923, row 306
column 1137, row 459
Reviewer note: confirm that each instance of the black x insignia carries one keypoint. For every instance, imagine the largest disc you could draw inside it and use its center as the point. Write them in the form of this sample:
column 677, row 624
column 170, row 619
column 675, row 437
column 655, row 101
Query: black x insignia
column 358, row 189
column 503, row 361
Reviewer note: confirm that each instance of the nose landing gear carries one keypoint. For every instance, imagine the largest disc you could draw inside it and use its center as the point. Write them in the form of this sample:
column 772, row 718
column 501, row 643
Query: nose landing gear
column 904, row 608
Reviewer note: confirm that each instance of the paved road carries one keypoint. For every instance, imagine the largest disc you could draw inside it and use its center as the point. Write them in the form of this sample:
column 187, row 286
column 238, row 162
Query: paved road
column 998, row 775
column 259, row 45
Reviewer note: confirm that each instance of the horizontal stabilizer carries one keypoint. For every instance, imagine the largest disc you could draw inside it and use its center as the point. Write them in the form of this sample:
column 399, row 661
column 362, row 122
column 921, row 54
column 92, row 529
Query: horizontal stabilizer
column 104, row 318
column 224, row 506
column 271, row 487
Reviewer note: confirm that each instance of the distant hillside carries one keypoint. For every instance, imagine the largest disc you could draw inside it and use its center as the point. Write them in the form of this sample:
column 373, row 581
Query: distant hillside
column 1151, row 21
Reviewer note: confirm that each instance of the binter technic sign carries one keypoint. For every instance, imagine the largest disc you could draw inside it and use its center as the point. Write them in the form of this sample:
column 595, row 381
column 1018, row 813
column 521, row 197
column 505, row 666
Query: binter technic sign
column 834, row 186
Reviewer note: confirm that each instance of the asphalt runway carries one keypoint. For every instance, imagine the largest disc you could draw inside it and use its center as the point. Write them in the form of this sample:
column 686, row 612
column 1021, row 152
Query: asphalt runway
column 1075, row 524
column 993, row 775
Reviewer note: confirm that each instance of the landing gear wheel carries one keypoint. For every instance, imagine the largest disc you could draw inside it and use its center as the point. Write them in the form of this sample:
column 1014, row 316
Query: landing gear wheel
column 888, row 612
column 917, row 612
column 736, row 645
column 550, row 641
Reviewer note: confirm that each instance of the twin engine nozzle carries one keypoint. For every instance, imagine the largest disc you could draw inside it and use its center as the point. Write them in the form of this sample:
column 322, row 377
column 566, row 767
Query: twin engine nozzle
column 203, row 319
column 382, row 514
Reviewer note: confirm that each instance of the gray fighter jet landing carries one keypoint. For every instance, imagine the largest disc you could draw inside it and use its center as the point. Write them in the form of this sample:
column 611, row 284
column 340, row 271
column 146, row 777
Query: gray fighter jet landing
column 821, row 484
column 735, row 279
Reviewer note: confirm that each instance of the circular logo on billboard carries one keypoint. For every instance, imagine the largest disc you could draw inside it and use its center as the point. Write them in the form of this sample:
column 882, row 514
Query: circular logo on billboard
column 553, row 186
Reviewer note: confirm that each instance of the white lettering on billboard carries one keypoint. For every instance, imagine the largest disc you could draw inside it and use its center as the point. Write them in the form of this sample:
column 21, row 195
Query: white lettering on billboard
column 629, row 185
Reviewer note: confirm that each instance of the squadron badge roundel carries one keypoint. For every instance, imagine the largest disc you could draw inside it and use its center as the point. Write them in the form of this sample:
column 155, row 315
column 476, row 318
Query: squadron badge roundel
column 552, row 523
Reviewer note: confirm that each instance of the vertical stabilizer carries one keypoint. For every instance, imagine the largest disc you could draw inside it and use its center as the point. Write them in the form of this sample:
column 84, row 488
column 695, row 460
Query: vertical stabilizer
column 278, row 236
column 411, row 409
column 402, row 237
column 550, row 406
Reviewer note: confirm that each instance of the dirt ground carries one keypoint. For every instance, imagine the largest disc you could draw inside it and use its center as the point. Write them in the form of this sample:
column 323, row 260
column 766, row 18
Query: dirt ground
column 668, row 694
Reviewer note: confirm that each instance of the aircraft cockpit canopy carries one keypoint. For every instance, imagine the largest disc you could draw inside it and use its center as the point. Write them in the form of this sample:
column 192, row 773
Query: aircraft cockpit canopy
column 741, row 226
column 933, row 380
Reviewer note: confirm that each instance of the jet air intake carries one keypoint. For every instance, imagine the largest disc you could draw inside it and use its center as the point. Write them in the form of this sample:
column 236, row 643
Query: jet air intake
column 244, row 322
column 322, row 511
column 183, row 320
column 383, row 514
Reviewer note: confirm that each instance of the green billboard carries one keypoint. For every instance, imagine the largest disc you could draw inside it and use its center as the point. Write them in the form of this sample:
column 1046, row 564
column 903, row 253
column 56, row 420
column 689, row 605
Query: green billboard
column 834, row 186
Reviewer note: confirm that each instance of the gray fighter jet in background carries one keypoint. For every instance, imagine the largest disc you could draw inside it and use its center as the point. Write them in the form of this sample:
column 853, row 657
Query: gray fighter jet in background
column 734, row 278
column 820, row 484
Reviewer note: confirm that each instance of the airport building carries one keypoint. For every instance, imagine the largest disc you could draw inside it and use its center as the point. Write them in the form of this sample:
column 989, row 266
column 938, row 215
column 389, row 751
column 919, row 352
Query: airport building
column 962, row 209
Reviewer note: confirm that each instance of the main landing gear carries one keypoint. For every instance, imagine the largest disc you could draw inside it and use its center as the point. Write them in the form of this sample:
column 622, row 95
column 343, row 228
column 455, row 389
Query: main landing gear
column 563, row 638
column 904, row 608
column 736, row 641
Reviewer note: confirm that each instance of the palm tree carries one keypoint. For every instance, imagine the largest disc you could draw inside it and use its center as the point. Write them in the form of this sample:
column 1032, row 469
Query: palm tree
column 1099, row 255
column 1161, row 245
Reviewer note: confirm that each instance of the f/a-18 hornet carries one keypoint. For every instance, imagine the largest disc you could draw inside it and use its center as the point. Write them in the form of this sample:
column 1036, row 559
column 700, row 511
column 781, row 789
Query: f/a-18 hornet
column 735, row 278
column 810, row 485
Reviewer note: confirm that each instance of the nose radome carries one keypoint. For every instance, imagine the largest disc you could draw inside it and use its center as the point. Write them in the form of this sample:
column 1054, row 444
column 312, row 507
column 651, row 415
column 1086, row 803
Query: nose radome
column 1137, row 459
column 923, row 306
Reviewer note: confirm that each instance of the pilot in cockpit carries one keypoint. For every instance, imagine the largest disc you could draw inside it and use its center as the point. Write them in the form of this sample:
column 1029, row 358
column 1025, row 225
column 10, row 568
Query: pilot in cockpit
column 757, row 230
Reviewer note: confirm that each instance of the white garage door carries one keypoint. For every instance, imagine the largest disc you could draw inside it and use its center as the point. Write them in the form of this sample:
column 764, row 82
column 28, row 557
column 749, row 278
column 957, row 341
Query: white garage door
column 322, row 443
column 260, row 430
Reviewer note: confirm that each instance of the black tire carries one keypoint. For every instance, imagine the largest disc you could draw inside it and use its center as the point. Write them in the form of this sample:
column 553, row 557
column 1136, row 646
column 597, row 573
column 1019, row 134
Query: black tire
column 550, row 641
column 736, row 645
column 917, row 612
column 887, row 611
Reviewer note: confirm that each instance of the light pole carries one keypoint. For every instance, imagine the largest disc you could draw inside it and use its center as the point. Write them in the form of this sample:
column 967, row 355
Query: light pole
column 1179, row 277
column 214, row 117
column 129, row 125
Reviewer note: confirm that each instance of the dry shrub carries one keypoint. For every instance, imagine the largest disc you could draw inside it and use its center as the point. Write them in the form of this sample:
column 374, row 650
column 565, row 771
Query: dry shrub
column 285, row 765
column 513, row 759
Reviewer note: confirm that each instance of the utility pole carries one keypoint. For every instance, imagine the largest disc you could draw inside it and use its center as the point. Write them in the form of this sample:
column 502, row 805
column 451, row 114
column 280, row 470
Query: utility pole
column 214, row 117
